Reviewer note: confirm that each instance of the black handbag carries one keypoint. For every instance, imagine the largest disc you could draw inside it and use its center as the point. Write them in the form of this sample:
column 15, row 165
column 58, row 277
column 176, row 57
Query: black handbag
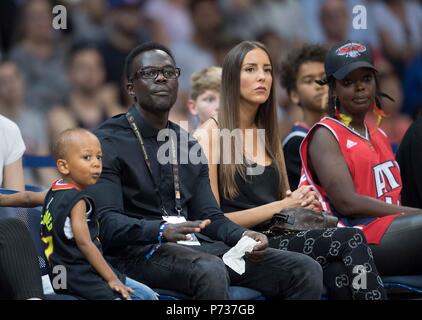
column 300, row 219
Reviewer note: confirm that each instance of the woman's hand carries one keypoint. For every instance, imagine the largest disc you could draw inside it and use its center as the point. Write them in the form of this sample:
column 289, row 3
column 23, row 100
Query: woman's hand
column 303, row 197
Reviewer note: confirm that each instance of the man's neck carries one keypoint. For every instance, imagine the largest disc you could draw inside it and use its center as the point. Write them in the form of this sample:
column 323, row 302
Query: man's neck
column 158, row 120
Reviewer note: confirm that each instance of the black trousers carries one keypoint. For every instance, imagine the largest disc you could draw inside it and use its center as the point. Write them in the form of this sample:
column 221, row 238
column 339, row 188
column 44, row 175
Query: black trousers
column 278, row 274
column 399, row 252
column 20, row 276
column 342, row 252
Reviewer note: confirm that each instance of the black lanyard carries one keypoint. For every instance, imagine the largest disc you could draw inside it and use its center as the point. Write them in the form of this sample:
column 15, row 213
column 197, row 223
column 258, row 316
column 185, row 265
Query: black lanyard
column 175, row 167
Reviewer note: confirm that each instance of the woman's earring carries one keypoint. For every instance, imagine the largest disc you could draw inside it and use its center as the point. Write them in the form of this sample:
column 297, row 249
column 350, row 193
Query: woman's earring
column 344, row 118
column 336, row 108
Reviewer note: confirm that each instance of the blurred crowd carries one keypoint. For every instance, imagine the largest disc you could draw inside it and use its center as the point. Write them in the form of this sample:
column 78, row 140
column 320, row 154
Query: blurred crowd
column 52, row 79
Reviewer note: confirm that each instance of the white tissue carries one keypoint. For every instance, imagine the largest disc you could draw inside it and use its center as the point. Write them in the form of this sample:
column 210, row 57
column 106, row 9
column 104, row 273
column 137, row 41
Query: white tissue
column 234, row 257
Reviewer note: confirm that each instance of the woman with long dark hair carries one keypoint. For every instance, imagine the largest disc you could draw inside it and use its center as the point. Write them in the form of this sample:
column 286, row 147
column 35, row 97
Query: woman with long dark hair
column 252, row 190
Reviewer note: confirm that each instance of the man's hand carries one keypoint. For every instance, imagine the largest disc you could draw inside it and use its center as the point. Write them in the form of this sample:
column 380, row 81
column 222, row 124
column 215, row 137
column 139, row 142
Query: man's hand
column 259, row 250
column 174, row 232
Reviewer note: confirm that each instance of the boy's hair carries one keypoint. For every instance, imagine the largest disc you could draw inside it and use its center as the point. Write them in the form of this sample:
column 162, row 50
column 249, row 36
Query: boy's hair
column 147, row 46
column 290, row 66
column 62, row 142
column 206, row 79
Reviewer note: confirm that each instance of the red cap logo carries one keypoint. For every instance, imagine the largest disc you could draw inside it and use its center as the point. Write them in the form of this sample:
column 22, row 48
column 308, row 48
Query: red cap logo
column 351, row 50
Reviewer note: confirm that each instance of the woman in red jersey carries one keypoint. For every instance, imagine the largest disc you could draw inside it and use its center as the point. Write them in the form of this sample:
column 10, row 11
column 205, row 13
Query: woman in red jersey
column 352, row 166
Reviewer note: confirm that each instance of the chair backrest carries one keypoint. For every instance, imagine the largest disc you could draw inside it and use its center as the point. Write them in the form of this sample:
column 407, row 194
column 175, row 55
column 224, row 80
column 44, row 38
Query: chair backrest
column 7, row 191
column 31, row 217
column 34, row 188
column 32, row 161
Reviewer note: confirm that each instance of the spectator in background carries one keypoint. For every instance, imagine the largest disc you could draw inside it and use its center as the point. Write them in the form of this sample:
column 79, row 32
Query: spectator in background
column 205, row 93
column 40, row 56
column 394, row 124
column 198, row 52
column 29, row 120
column 8, row 12
column 284, row 17
column 413, row 87
column 299, row 71
column 89, row 21
column 177, row 29
column 236, row 12
column 12, row 148
column 126, row 31
column 312, row 8
column 334, row 19
column 90, row 100
column 399, row 23
column 246, row 18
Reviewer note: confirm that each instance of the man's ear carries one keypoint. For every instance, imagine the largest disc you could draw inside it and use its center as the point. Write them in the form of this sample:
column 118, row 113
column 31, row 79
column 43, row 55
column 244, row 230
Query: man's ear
column 192, row 107
column 62, row 166
column 294, row 96
column 130, row 91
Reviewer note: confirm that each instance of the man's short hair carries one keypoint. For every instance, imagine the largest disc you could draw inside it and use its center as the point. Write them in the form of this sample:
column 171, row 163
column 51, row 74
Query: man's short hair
column 290, row 66
column 206, row 79
column 147, row 46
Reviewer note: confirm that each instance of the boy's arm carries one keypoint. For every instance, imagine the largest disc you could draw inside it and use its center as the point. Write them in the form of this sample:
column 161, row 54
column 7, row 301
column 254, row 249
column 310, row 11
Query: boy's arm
column 90, row 251
column 83, row 241
column 24, row 199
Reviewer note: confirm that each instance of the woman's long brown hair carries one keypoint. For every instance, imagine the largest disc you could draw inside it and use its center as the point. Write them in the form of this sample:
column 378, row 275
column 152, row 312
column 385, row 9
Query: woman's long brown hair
column 229, row 118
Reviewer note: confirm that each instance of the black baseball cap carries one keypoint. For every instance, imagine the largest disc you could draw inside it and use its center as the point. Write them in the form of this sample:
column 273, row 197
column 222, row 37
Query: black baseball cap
column 347, row 56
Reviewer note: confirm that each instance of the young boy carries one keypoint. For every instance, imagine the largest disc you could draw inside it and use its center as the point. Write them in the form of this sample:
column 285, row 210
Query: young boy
column 205, row 93
column 69, row 226
column 298, row 74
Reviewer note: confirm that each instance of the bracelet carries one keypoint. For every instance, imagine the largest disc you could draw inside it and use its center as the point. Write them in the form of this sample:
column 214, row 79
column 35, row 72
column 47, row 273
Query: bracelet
column 160, row 239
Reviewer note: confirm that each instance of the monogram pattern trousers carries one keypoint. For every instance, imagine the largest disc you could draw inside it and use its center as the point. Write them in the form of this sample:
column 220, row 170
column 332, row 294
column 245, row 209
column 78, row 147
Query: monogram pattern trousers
column 345, row 257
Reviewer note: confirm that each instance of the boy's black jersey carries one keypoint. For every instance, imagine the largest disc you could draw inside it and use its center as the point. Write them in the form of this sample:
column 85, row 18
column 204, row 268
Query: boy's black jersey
column 81, row 279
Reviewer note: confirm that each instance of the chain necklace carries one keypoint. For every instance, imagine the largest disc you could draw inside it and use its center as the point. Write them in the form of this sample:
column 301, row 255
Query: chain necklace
column 366, row 137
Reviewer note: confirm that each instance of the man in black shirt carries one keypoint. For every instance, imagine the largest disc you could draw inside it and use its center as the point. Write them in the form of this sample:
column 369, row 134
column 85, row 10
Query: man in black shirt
column 137, row 190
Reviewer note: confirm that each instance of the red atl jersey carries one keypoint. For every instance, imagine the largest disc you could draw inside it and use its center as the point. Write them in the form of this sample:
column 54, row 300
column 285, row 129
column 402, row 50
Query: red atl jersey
column 372, row 166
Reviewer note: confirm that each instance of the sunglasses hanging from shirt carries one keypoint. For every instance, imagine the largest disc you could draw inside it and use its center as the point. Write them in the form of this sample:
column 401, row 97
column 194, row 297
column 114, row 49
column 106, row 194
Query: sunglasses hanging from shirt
column 176, row 181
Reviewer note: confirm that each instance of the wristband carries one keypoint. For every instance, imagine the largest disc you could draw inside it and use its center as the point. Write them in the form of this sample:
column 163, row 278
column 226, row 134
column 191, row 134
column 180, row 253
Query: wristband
column 160, row 239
